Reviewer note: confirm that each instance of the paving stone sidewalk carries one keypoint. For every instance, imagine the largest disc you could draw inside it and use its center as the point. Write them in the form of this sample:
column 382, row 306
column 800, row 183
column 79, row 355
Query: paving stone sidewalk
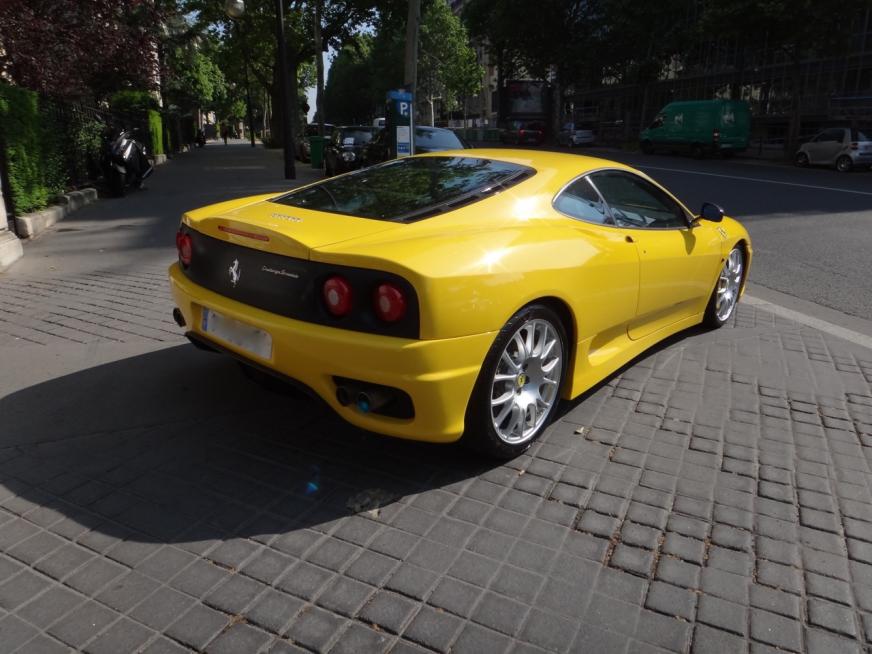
column 714, row 496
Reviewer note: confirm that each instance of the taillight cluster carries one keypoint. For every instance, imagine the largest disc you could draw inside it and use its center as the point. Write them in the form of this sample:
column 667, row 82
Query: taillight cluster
column 185, row 246
column 388, row 301
column 716, row 134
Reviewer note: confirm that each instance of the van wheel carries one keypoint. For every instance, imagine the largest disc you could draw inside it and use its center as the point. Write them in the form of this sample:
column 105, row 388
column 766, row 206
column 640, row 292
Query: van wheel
column 844, row 163
column 801, row 159
column 697, row 151
column 647, row 147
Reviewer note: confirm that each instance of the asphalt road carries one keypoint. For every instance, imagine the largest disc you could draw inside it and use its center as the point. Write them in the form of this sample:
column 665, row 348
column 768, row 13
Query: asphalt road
column 811, row 228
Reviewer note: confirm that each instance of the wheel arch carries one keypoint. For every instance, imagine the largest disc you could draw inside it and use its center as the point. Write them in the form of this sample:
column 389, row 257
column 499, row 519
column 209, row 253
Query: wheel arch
column 743, row 243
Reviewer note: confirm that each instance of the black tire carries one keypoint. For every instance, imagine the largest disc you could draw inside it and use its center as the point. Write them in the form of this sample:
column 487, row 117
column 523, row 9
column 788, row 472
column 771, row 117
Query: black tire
column 116, row 182
column 480, row 434
column 710, row 318
column 697, row 151
column 844, row 164
column 647, row 147
column 801, row 160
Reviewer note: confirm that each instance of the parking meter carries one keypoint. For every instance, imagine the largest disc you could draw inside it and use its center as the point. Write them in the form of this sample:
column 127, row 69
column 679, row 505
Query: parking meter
column 399, row 124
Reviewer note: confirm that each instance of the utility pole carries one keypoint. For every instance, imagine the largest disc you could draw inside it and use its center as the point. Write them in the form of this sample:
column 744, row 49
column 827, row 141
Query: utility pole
column 319, row 68
column 410, row 77
column 287, row 126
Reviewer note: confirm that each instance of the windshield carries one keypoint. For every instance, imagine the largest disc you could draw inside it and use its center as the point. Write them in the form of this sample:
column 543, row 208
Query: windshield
column 409, row 189
column 358, row 134
column 436, row 138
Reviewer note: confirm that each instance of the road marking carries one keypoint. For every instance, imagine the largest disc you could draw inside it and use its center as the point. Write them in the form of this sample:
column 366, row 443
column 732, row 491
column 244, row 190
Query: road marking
column 810, row 321
column 757, row 179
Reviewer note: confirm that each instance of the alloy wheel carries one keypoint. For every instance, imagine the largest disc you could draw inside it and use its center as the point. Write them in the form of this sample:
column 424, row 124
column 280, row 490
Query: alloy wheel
column 728, row 285
column 526, row 382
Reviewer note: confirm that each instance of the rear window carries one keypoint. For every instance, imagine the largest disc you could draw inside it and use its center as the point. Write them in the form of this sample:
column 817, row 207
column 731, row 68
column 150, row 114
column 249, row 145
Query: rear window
column 857, row 135
column 405, row 190
column 431, row 138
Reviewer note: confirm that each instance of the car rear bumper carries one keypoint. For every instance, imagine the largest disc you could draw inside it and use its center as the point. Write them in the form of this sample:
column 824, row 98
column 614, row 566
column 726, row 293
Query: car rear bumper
column 438, row 375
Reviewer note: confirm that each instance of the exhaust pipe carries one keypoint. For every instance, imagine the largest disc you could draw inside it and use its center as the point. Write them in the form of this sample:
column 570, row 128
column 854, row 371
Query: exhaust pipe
column 343, row 395
column 178, row 317
column 372, row 400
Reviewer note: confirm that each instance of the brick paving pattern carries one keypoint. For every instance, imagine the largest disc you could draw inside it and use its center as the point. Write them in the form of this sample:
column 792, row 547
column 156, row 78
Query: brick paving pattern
column 714, row 496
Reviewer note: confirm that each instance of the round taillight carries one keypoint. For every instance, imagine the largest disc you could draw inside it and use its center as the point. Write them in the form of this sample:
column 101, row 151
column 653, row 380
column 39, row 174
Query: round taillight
column 185, row 246
column 337, row 295
column 390, row 303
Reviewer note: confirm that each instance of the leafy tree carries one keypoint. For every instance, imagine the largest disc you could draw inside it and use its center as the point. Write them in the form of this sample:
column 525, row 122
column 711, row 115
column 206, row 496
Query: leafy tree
column 800, row 29
column 348, row 95
column 371, row 65
column 447, row 65
column 49, row 45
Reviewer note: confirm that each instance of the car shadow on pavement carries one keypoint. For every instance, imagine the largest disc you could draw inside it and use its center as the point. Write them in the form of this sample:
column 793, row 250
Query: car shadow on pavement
column 177, row 446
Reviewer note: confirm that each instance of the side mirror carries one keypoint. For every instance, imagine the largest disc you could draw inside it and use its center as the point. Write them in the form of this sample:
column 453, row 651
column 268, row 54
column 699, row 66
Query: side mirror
column 711, row 212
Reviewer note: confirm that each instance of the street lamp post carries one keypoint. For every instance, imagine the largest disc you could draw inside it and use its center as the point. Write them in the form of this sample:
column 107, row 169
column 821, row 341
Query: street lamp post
column 235, row 9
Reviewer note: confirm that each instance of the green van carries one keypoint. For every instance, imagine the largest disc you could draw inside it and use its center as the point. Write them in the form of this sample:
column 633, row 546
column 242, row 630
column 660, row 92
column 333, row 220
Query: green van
column 700, row 127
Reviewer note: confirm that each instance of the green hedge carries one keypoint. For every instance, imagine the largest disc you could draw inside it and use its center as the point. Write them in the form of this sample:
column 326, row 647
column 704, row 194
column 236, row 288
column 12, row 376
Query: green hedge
column 141, row 103
column 34, row 154
column 155, row 130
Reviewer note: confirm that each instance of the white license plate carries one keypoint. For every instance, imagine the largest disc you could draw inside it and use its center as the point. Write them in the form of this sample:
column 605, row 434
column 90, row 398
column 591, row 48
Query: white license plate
column 248, row 338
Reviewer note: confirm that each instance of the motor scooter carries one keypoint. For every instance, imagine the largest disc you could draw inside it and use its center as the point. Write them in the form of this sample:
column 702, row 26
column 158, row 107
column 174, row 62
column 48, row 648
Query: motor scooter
column 124, row 161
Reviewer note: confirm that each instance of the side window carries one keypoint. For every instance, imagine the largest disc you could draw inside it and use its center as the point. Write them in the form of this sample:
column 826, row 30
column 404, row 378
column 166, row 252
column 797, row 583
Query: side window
column 834, row 135
column 636, row 202
column 580, row 200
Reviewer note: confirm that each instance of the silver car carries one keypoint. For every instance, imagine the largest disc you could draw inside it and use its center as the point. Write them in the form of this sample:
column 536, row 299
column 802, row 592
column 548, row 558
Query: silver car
column 842, row 147
column 574, row 134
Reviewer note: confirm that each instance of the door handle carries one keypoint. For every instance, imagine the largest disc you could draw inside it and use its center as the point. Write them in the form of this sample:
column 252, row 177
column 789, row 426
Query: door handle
column 629, row 239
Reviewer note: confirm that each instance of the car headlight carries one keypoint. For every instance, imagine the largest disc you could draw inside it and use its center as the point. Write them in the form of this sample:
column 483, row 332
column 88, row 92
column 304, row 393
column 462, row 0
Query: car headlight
column 348, row 156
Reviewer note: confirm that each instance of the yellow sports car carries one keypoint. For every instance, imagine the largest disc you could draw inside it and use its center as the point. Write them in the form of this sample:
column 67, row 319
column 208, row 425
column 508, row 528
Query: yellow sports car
column 459, row 294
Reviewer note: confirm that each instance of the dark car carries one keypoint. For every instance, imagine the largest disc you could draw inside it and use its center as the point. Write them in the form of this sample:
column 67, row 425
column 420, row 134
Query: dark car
column 427, row 139
column 344, row 151
column 304, row 148
column 521, row 131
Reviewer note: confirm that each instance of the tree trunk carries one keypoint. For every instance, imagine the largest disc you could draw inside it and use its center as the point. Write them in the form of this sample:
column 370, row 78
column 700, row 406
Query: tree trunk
column 500, row 84
column 277, row 131
column 557, row 106
column 319, row 67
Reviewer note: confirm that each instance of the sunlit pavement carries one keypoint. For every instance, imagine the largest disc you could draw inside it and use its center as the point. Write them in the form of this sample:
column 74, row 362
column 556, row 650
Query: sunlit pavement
column 712, row 497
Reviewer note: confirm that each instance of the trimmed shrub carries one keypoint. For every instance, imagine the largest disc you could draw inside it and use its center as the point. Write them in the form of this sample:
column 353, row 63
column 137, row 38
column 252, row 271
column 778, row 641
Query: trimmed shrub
column 155, row 130
column 34, row 155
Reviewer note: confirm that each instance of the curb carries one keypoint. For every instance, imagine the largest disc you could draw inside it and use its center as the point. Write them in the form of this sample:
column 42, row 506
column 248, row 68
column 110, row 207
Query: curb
column 31, row 225
column 10, row 249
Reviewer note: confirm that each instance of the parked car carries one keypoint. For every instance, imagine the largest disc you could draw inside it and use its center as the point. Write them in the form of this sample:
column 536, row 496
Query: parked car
column 700, row 127
column 344, row 150
column 456, row 295
column 378, row 122
column 304, row 147
column 842, row 147
column 573, row 134
column 522, row 131
column 427, row 139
